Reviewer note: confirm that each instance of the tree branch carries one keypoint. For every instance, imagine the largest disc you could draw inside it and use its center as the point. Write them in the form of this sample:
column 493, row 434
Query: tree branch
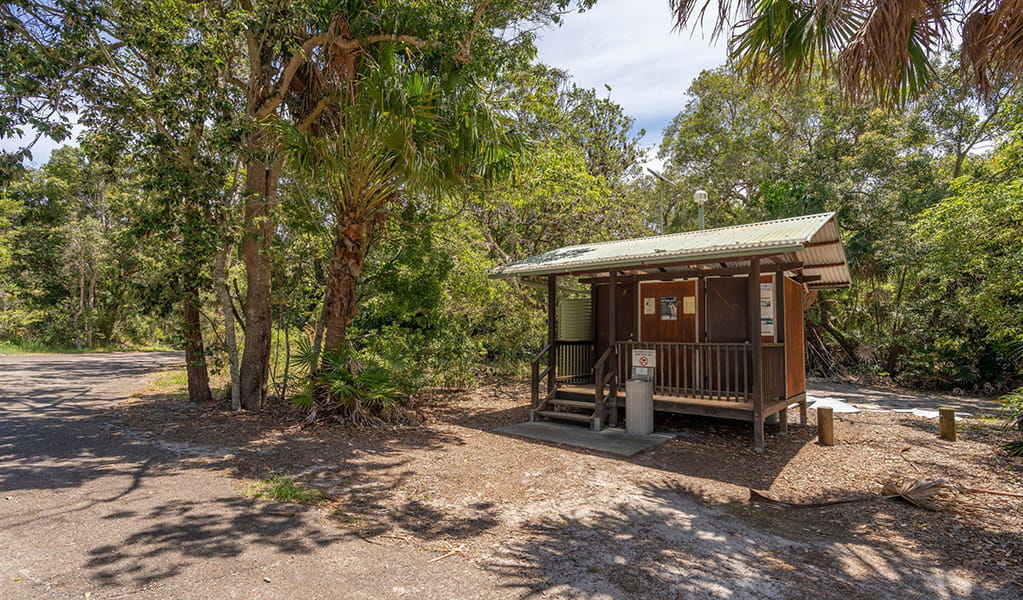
column 269, row 105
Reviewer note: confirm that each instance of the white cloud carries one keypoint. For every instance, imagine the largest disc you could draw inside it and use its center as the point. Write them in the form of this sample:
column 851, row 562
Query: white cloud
column 630, row 45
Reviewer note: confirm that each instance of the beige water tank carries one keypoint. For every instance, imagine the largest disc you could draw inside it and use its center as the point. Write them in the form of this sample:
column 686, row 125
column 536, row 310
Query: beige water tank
column 575, row 320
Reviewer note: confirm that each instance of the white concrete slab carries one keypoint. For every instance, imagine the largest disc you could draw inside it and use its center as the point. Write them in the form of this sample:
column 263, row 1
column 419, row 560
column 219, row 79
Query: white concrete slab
column 611, row 441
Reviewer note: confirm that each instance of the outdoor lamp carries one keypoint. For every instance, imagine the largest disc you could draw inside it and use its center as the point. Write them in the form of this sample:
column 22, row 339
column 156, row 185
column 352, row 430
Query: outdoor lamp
column 700, row 197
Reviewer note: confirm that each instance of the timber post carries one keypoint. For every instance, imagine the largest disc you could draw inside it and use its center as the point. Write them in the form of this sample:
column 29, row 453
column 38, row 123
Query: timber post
column 612, row 341
column 826, row 426
column 947, row 416
column 552, row 332
column 757, row 371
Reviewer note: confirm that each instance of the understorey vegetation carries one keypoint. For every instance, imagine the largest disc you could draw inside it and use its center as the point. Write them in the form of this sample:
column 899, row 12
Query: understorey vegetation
column 313, row 217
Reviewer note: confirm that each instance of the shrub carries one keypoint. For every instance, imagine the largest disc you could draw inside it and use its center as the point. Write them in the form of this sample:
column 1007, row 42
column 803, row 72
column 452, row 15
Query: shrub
column 362, row 390
column 1013, row 403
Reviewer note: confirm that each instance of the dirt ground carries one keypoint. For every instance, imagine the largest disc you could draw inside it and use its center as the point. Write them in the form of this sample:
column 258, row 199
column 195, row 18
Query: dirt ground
column 674, row 522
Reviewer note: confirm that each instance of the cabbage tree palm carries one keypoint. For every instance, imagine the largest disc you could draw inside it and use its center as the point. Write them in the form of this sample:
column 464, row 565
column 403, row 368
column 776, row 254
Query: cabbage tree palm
column 877, row 48
column 392, row 132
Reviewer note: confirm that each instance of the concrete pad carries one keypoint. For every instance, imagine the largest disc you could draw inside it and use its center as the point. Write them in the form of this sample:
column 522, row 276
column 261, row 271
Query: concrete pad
column 612, row 441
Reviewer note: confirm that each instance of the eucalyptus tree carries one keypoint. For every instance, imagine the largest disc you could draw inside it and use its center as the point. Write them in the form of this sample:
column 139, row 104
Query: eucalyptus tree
column 288, row 61
column 157, row 100
column 879, row 48
column 42, row 45
column 281, row 58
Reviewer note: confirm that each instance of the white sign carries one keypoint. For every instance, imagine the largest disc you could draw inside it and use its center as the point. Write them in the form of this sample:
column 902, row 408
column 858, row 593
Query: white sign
column 767, row 310
column 649, row 306
column 644, row 358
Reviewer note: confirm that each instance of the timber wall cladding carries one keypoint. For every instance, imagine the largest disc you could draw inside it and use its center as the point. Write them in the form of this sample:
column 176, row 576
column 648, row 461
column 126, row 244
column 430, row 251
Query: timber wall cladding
column 726, row 315
column 625, row 309
column 668, row 311
column 795, row 339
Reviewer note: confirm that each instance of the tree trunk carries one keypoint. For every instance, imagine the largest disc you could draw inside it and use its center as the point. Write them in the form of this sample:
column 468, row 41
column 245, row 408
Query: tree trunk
column 220, row 267
column 79, row 312
column 90, row 311
column 260, row 191
column 321, row 323
column 195, row 351
column 346, row 262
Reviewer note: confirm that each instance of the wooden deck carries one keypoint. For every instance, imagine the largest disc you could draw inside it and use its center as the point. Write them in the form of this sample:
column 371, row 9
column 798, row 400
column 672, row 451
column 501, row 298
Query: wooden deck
column 581, row 396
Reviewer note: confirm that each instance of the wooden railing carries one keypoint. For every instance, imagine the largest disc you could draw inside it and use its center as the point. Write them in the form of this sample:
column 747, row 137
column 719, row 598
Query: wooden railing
column 708, row 371
column 605, row 374
column 574, row 360
column 537, row 375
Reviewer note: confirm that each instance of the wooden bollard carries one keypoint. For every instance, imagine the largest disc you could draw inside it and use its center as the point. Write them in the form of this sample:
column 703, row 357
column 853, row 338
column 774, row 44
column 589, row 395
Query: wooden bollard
column 826, row 425
column 947, row 415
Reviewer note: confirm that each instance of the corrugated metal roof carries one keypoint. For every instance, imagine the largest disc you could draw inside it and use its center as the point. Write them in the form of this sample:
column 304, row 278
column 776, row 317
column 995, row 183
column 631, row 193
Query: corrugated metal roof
column 825, row 256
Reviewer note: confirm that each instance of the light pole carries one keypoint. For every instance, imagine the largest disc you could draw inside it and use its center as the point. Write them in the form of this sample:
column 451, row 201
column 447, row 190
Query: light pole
column 700, row 197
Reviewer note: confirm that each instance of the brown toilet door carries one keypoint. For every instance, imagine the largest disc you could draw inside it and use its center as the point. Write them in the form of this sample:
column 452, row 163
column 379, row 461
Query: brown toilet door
column 668, row 314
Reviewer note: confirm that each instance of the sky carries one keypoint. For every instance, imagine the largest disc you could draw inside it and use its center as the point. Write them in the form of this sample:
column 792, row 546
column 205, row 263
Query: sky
column 626, row 44
column 630, row 46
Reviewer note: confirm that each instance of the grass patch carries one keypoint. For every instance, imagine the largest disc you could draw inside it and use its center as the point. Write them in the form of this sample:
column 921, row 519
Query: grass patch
column 284, row 489
column 170, row 383
column 31, row 347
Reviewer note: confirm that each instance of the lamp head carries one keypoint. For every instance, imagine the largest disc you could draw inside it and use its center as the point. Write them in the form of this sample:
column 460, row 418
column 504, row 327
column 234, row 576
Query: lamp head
column 700, row 197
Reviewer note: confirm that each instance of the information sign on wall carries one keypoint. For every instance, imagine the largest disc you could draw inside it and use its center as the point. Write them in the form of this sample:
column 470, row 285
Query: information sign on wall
column 767, row 328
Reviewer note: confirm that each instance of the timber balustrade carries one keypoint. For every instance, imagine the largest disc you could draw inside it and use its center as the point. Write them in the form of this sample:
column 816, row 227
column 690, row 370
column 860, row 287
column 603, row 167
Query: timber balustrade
column 605, row 374
column 536, row 376
column 575, row 361
column 707, row 371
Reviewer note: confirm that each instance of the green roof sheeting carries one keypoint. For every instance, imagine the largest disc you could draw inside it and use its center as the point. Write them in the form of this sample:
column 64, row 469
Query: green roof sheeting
column 791, row 237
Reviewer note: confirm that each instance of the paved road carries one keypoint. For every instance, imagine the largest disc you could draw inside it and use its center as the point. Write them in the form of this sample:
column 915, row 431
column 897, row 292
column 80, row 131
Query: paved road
column 86, row 508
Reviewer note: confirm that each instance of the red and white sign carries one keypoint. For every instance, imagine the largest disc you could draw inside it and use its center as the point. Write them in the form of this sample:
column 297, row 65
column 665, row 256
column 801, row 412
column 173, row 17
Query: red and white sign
column 644, row 358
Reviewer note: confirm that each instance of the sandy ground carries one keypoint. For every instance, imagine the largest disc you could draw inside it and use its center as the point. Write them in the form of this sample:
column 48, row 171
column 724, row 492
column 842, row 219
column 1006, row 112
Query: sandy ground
column 464, row 512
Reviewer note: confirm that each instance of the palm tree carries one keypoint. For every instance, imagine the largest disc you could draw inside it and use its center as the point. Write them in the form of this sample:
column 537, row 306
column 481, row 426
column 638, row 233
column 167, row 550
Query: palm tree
column 391, row 131
column 878, row 48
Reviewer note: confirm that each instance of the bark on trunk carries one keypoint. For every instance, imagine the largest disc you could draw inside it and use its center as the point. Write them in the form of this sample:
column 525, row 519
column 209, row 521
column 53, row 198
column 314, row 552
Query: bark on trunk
column 195, row 351
column 260, row 192
column 346, row 262
column 220, row 267
column 321, row 324
column 78, row 313
column 90, row 312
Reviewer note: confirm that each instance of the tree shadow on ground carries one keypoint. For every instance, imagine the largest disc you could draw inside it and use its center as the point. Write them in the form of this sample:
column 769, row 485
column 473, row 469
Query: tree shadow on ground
column 176, row 534
column 657, row 545
column 702, row 448
column 61, row 433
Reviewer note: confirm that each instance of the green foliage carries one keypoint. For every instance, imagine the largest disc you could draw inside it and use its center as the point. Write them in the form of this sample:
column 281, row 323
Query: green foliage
column 355, row 389
column 75, row 273
column 930, row 304
column 1013, row 403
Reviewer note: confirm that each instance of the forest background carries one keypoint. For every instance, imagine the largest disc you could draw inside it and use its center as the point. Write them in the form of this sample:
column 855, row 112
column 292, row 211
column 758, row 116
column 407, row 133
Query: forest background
column 315, row 212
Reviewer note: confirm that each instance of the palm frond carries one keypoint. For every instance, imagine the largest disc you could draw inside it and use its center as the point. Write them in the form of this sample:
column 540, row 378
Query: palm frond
column 882, row 49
